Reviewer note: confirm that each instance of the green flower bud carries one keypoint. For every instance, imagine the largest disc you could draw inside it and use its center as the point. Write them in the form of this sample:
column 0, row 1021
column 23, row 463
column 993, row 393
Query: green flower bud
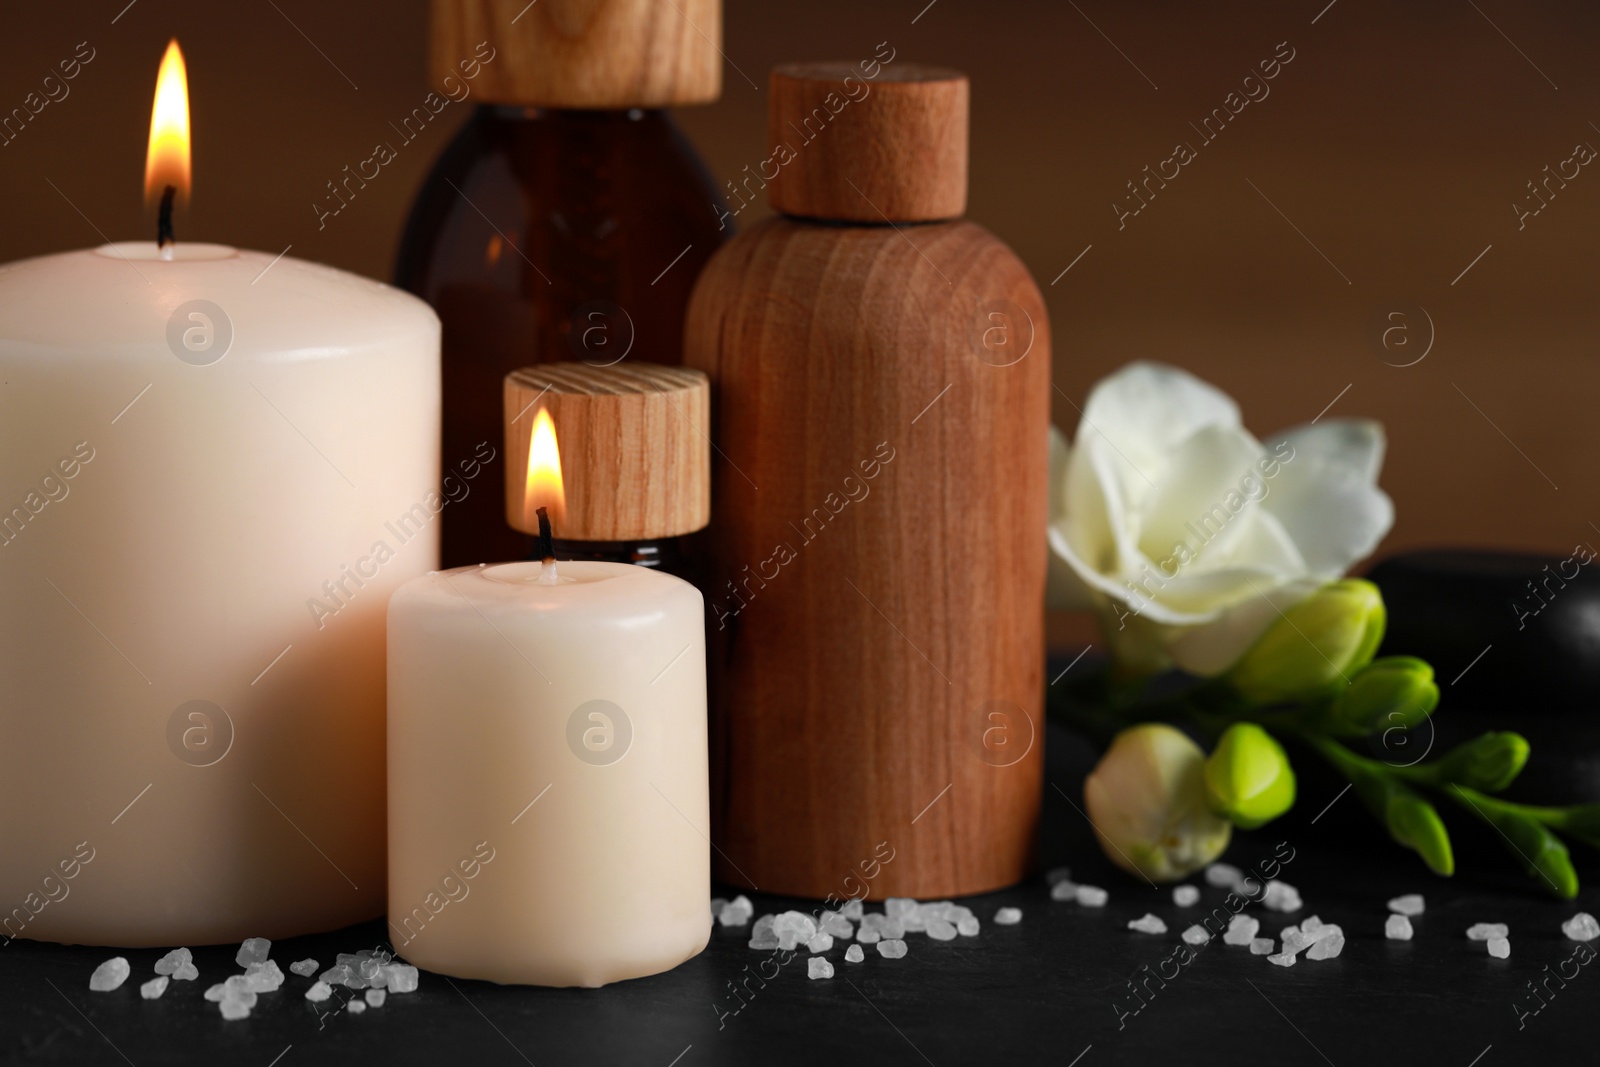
column 1392, row 693
column 1415, row 823
column 1581, row 821
column 1316, row 645
column 1540, row 851
column 1490, row 762
column 1248, row 777
column 1146, row 800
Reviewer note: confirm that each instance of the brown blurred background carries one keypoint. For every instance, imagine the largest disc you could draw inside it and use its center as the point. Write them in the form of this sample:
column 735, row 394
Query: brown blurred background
column 1387, row 157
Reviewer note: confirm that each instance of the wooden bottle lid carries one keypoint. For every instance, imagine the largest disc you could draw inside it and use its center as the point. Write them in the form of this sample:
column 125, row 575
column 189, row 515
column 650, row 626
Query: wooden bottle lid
column 581, row 53
column 635, row 450
column 892, row 147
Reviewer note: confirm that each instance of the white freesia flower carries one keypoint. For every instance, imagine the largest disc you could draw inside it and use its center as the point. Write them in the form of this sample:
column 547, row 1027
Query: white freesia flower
column 1186, row 533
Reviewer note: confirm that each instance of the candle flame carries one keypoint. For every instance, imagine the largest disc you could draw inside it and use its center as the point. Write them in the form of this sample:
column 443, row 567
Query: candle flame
column 167, row 161
column 544, row 486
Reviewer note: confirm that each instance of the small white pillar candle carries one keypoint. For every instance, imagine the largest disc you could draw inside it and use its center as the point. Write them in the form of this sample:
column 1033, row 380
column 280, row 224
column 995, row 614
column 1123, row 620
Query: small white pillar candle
column 548, row 799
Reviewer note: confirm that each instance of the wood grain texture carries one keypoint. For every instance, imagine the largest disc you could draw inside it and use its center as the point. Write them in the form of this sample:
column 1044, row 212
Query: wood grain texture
column 583, row 53
column 635, row 448
column 880, row 492
column 888, row 148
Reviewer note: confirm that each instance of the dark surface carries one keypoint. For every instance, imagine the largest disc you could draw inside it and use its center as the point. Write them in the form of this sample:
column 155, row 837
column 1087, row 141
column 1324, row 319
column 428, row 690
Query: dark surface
column 1046, row 990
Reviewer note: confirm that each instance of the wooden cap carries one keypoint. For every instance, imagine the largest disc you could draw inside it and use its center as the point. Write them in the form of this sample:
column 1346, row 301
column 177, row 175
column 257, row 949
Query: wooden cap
column 581, row 53
column 635, row 450
column 892, row 147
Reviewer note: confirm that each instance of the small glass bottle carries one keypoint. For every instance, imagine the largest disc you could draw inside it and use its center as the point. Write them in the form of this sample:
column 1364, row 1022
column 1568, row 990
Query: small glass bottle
column 568, row 219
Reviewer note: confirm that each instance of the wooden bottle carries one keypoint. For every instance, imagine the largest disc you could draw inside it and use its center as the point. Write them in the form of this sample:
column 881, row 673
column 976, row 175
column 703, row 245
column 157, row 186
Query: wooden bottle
column 881, row 374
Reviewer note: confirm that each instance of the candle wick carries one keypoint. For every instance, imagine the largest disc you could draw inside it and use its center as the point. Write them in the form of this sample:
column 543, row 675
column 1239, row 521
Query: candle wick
column 164, row 237
column 547, row 550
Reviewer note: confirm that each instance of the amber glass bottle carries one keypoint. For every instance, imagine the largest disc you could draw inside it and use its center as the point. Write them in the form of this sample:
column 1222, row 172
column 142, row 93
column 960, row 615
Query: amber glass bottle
column 568, row 219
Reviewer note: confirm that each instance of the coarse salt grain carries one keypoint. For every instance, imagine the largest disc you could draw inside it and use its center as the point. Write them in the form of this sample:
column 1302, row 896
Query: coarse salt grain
column 1487, row 931
column 1058, row 874
column 891, row 948
column 1185, row 896
column 1397, row 928
column 941, row 929
column 1581, row 927
column 1411, row 904
column 1064, row 891
column 1196, row 935
column 1261, row 946
column 304, row 968
column 1241, row 930
column 155, row 987
column 820, row 942
column 817, row 967
column 1326, row 948
column 318, row 992
column 356, row 1007
column 1092, row 896
column 1222, row 875
column 1008, row 916
column 109, row 975
column 1499, row 947
column 376, row 997
column 1147, row 924
column 1282, row 959
column 252, row 950
column 853, row 954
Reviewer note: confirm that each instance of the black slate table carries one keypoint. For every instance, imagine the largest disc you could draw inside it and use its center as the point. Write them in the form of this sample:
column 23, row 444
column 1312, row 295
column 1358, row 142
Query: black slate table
column 1053, row 989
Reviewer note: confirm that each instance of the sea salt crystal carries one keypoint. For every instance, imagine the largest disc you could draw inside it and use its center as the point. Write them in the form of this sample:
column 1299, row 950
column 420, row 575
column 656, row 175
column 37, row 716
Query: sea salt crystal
column 1241, row 930
column 263, row 977
column 1057, row 875
column 1294, row 940
column 186, row 972
column 155, row 987
column 1222, row 875
column 1311, row 924
column 304, row 968
column 173, row 960
column 1147, row 924
column 338, row 974
column 239, row 988
column 235, row 1009
column 1499, row 947
column 318, row 992
column 761, row 935
column 1282, row 959
column 736, row 912
column 852, row 910
column 899, row 907
column 253, row 950
column 837, row 925
column 1397, row 928
column 1247, row 887
column 1008, row 916
column 216, row 992
column 356, row 1007
column 376, row 997
column 1281, row 896
column 1326, row 948
column 1323, row 931
column 1581, row 927
column 892, row 928
column 402, row 977
column 1185, row 896
column 1410, row 904
column 891, row 948
column 968, row 926
column 941, row 929
column 1064, row 891
column 1261, row 946
column 109, row 975
column 1486, row 931
column 853, row 954
column 868, row 936
column 1196, row 935
column 820, row 942
column 1092, row 896
column 817, row 967
column 793, row 927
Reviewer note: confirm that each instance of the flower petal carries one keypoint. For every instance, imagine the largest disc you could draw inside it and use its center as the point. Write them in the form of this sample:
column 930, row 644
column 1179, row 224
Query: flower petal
column 1209, row 650
column 1202, row 501
column 1145, row 410
column 1325, row 495
column 1064, row 590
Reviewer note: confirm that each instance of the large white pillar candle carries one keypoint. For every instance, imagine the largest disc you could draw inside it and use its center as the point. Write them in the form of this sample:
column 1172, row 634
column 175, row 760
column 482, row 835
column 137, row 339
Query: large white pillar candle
column 548, row 801
column 213, row 472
